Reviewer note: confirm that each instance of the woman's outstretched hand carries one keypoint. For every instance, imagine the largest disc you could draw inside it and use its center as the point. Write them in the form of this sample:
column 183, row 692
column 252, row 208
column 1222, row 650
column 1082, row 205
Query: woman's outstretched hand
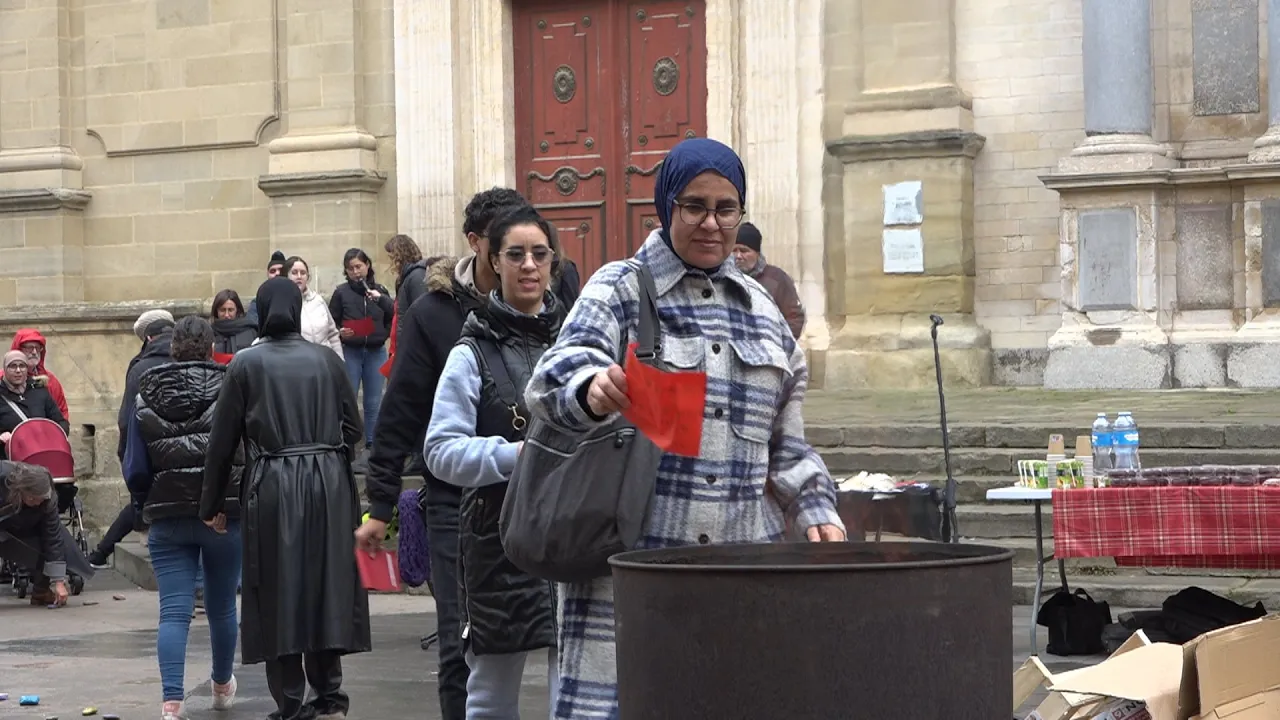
column 608, row 392
column 825, row 533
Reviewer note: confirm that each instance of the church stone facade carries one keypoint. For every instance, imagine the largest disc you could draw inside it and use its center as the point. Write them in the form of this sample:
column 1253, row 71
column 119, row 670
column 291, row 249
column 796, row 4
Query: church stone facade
column 1087, row 191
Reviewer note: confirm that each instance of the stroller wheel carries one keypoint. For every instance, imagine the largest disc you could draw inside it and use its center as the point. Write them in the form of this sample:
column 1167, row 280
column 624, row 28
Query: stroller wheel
column 20, row 587
column 77, row 584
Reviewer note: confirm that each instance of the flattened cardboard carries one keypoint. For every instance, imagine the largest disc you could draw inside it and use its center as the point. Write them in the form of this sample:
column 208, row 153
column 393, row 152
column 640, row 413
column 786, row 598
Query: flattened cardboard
column 1062, row 705
column 1151, row 674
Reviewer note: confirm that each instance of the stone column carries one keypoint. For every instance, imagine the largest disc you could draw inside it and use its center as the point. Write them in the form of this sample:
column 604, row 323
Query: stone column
column 41, row 190
column 425, row 138
column 1266, row 149
column 325, row 166
column 1117, row 90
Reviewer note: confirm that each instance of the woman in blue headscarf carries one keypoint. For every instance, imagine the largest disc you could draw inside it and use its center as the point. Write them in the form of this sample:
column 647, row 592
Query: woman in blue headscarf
column 754, row 470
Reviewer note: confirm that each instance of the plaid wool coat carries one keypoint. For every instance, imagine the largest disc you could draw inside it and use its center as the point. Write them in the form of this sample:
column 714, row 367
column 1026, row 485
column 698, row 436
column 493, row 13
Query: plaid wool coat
column 726, row 325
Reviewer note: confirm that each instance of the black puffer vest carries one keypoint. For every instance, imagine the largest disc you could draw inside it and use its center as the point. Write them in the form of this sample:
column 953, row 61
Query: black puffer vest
column 506, row 610
column 175, row 415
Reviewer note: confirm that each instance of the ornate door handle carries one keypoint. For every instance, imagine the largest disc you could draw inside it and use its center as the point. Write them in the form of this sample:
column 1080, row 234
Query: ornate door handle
column 636, row 170
column 566, row 179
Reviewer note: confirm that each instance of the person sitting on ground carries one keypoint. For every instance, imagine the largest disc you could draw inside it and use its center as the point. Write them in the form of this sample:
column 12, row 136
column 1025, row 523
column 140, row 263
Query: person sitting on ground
column 35, row 347
column 21, row 399
column 233, row 329
column 165, row 456
column 31, row 532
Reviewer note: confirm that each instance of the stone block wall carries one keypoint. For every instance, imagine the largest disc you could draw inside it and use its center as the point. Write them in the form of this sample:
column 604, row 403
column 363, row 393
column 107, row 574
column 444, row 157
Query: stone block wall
column 1021, row 62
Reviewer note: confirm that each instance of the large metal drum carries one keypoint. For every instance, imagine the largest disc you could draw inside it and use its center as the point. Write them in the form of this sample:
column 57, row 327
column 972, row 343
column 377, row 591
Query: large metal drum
column 908, row 630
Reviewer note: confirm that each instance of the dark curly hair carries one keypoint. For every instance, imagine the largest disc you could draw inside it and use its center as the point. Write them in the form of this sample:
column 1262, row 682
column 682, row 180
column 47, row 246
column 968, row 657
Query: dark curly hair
column 487, row 205
column 192, row 339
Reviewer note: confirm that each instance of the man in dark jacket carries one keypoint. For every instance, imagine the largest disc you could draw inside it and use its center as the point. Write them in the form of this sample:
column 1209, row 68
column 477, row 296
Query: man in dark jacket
column 776, row 281
column 274, row 266
column 428, row 332
column 155, row 329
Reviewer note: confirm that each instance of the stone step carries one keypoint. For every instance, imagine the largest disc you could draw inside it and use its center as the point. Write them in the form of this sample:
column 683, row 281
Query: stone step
column 908, row 462
column 1024, row 557
column 1001, row 521
column 1140, row 590
column 1241, row 436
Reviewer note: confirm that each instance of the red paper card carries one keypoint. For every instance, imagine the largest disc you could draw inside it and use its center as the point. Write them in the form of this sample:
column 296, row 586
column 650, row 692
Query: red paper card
column 223, row 358
column 666, row 406
column 380, row 571
column 362, row 327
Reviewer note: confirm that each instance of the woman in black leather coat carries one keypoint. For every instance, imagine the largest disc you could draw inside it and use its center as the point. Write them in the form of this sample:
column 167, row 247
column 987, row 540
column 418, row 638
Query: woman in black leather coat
column 477, row 427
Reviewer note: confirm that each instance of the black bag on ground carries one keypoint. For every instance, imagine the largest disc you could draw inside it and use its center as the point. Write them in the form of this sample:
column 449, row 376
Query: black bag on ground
column 1075, row 622
column 1193, row 611
column 575, row 500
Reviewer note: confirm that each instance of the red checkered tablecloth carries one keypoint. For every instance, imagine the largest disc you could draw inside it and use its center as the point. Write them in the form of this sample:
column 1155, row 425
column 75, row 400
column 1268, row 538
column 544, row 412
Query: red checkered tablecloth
column 1191, row 527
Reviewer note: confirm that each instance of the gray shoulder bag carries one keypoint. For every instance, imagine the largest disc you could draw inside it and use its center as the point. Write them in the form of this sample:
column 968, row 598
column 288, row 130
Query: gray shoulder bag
column 575, row 500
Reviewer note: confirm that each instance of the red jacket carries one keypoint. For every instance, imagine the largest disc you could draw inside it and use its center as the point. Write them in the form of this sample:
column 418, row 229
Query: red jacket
column 26, row 335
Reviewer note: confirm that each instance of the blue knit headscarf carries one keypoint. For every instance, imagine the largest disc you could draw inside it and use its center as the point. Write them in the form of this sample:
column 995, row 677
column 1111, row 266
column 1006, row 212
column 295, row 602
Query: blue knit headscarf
column 687, row 161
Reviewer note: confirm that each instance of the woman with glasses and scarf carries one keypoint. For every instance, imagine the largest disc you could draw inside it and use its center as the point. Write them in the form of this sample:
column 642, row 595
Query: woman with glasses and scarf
column 754, row 469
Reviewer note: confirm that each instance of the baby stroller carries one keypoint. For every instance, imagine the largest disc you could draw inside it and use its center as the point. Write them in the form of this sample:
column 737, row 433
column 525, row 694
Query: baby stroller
column 42, row 442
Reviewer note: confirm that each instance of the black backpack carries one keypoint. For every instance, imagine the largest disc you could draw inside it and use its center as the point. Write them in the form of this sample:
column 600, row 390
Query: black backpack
column 1192, row 612
column 1075, row 622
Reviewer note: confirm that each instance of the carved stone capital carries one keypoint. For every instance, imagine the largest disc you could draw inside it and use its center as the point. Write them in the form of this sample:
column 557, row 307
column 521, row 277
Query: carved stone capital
column 322, row 182
column 924, row 143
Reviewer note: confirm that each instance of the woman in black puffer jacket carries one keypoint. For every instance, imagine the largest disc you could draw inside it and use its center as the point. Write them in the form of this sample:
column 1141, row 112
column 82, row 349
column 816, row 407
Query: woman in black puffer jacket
column 168, row 439
column 233, row 331
column 363, row 310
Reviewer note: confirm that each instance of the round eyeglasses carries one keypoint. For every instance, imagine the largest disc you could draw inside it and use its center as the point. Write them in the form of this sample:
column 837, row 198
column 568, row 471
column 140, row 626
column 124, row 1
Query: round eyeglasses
column 695, row 214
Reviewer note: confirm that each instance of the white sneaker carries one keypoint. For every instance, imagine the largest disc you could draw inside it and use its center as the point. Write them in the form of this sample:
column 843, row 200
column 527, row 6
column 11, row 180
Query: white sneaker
column 172, row 711
column 224, row 696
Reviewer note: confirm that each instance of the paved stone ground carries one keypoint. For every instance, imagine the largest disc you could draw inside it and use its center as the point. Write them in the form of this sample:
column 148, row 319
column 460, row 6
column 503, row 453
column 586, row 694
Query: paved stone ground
column 1012, row 405
column 100, row 652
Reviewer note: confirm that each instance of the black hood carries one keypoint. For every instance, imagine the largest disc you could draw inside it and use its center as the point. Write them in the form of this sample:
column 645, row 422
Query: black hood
column 180, row 391
column 499, row 320
column 158, row 346
column 279, row 308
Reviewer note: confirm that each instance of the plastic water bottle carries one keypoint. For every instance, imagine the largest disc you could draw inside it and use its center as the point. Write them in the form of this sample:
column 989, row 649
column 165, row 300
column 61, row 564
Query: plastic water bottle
column 1101, row 445
column 1126, row 442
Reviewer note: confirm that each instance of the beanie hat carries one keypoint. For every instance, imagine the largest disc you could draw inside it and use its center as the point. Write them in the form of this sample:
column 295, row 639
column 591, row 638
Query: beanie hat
column 749, row 235
column 277, row 258
column 145, row 320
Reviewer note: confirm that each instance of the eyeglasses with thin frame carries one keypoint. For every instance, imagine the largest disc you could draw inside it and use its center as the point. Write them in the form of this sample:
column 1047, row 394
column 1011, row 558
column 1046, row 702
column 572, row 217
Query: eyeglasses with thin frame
column 17, row 366
column 695, row 214
column 542, row 256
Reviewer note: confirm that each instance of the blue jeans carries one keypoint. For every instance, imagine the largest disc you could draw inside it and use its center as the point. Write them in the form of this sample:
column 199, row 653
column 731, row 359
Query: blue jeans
column 179, row 548
column 363, row 365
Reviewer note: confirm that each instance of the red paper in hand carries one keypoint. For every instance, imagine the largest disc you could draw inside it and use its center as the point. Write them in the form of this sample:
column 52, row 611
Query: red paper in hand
column 666, row 406
column 222, row 358
column 362, row 327
column 379, row 571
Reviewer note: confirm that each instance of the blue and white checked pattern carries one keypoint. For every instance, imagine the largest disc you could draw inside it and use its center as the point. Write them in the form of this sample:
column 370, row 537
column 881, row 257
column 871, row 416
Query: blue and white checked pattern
column 728, row 326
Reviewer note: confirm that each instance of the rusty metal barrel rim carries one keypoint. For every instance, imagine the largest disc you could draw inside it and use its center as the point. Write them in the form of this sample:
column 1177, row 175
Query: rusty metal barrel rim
column 805, row 557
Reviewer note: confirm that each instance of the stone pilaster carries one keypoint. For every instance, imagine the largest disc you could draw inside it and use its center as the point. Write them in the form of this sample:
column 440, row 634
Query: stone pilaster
column 41, row 190
column 1266, row 149
column 910, row 122
column 323, row 172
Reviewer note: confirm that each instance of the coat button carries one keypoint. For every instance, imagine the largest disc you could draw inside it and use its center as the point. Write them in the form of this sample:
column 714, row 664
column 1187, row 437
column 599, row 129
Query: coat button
column 707, row 293
column 715, row 348
column 703, row 539
column 711, row 479
column 719, row 413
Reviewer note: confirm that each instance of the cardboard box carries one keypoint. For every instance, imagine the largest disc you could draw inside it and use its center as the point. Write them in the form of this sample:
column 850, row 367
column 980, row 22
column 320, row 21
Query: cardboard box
column 1068, row 705
column 1230, row 674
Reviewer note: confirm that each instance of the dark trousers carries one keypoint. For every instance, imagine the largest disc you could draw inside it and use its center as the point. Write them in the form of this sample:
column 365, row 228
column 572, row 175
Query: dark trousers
column 288, row 677
column 442, row 540
column 125, row 523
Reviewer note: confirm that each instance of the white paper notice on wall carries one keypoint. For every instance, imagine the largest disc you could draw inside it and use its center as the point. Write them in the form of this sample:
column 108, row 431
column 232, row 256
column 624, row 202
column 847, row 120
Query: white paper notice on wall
column 903, row 250
column 904, row 203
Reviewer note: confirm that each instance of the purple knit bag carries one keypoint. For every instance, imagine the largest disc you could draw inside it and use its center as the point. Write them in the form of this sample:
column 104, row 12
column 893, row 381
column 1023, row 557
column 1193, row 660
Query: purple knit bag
column 415, row 561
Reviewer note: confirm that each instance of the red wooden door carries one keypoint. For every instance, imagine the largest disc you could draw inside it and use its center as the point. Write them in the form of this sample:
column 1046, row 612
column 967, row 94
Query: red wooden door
column 603, row 89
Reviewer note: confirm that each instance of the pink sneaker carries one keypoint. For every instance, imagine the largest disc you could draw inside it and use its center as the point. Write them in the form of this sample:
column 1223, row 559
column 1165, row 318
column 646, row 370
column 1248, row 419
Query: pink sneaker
column 172, row 710
column 224, row 696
